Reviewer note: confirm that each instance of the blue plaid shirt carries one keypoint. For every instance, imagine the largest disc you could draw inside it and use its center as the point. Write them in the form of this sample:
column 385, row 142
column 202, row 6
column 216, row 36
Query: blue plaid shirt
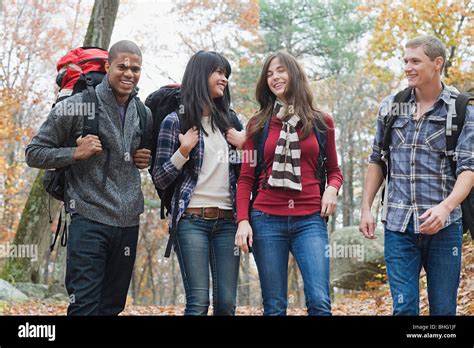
column 165, row 172
column 420, row 173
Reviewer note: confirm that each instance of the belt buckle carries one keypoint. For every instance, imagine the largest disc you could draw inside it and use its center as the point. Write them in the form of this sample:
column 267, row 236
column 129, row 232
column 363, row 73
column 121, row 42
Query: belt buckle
column 209, row 218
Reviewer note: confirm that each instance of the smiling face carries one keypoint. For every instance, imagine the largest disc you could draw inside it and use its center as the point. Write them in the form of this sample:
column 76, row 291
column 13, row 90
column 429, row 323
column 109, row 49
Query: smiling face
column 217, row 82
column 124, row 73
column 419, row 69
column 277, row 78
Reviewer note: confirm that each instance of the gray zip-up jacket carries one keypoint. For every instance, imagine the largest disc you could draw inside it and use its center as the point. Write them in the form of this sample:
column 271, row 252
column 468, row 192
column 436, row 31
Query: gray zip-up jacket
column 118, row 203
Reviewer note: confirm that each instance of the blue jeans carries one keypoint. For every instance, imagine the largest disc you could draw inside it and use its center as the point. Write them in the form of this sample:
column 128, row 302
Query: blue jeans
column 438, row 254
column 202, row 243
column 306, row 237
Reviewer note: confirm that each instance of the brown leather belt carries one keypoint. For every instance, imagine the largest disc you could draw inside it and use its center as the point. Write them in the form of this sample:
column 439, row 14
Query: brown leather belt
column 211, row 213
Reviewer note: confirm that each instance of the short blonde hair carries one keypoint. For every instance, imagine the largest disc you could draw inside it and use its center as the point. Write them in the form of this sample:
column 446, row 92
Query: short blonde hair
column 432, row 46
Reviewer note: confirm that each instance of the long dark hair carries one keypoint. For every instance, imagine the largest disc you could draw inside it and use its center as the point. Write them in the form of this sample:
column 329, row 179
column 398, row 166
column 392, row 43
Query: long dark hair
column 297, row 93
column 195, row 93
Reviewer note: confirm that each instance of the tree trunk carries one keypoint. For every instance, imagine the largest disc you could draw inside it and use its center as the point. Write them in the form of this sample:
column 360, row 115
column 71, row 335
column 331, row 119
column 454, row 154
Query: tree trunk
column 349, row 185
column 345, row 193
column 102, row 23
column 151, row 276
column 33, row 231
column 332, row 220
column 34, row 228
column 347, row 168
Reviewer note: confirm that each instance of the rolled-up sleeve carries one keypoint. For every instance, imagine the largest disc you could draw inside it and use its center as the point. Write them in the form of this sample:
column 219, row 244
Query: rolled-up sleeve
column 465, row 144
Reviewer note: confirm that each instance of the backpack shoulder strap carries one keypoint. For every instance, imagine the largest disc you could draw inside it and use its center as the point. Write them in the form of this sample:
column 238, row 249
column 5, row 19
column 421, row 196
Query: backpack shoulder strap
column 462, row 101
column 89, row 97
column 234, row 120
column 259, row 139
column 401, row 97
column 460, row 106
column 142, row 115
column 321, row 136
column 91, row 124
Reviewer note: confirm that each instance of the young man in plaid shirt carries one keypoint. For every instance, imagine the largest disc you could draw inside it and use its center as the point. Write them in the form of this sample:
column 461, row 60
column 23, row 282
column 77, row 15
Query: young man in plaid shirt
column 423, row 222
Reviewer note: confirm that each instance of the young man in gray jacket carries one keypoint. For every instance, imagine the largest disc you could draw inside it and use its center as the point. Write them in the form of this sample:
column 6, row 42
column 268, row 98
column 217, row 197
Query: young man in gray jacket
column 105, row 200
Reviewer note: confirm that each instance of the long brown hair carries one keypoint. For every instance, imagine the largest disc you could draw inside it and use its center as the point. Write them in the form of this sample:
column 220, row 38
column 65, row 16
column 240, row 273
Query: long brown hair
column 297, row 94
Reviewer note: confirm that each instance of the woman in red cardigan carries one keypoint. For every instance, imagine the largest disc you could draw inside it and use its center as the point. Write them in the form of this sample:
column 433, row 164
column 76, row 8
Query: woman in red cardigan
column 288, row 213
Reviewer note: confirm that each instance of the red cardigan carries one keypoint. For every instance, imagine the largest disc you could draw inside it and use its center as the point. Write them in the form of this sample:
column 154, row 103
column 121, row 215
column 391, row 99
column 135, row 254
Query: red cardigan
column 284, row 202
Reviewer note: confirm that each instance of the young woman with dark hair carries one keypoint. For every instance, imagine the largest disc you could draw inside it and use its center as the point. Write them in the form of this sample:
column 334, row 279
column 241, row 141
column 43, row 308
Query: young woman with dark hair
column 288, row 213
column 195, row 152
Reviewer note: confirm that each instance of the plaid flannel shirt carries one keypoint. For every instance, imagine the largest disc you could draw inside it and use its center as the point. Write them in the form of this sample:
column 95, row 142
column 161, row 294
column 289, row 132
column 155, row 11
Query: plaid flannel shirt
column 165, row 172
column 420, row 173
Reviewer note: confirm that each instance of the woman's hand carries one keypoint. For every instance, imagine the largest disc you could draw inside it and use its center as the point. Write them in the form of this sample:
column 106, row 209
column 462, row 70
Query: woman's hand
column 244, row 233
column 236, row 138
column 188, row 141
column 329, row 201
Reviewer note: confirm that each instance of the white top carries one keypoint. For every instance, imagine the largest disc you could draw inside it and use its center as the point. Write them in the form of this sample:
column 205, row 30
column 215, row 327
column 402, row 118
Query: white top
column 212, row 188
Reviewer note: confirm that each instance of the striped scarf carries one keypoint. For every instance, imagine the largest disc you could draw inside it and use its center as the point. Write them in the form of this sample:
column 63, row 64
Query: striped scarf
column 286, row 169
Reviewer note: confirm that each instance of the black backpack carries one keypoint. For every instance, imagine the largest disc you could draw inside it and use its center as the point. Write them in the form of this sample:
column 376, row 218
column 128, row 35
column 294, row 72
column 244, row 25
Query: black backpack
column 161, row 103
column 260, row 138
column 54, row 180
column 462, row 101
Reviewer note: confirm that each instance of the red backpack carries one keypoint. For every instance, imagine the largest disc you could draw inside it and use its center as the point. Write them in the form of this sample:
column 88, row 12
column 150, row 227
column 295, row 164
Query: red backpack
column 78, row 64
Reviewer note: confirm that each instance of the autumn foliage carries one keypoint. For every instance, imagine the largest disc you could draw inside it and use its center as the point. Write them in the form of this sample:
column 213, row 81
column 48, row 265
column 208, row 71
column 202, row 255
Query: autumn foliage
column 450, row 21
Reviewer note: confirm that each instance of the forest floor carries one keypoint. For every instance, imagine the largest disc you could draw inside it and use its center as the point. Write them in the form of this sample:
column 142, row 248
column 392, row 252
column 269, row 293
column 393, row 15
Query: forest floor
column 372, row 302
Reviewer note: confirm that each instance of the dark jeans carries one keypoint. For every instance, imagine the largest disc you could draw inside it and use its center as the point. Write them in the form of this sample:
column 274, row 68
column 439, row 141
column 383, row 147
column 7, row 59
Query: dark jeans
column 438, row 254
column 201, row 244
column 100, row 261
column 306, row 237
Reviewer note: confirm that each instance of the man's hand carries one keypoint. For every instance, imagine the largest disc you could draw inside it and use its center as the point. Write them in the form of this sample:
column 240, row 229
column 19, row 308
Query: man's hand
column 236, row 138
column 142, row 158
column 188, row 141
column 367, row 224
column 329, row 201
column 435, row 219
column 372, row 183
column 88, row 146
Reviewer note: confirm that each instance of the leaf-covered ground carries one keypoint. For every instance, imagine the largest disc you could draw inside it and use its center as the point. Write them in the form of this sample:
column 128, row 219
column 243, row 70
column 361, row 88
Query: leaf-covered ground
column 373, row 302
